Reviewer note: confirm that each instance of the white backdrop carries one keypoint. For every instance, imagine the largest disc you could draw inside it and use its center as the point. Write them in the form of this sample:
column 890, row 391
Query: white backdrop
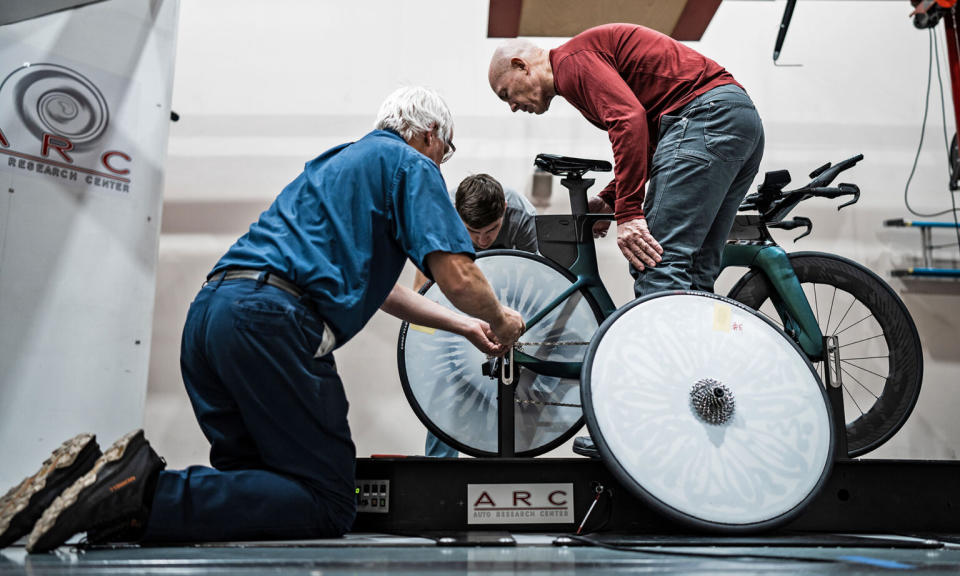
column 263, row 87
column 79, row 237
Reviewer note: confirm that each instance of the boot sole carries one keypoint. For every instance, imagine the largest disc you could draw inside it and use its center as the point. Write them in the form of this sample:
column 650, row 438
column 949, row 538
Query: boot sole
column 18, row 497
column 69, row 497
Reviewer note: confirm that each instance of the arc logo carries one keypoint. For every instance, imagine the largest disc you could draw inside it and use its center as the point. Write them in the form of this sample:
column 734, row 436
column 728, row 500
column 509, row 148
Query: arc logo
column 54, row 123
column 520, row 503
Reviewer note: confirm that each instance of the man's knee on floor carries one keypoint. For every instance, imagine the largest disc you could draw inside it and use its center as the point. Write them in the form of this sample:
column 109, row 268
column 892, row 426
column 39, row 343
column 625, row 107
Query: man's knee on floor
column 335, row 513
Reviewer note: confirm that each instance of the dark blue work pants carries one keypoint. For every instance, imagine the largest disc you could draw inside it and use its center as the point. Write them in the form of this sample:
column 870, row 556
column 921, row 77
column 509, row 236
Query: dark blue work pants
column 707, row 156
column 276, row 418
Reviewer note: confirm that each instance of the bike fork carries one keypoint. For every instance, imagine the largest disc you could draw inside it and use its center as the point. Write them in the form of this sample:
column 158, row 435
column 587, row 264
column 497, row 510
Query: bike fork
column 833, row 381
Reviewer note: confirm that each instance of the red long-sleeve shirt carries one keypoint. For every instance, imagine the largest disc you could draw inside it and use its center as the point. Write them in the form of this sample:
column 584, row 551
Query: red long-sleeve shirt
column 623, row 78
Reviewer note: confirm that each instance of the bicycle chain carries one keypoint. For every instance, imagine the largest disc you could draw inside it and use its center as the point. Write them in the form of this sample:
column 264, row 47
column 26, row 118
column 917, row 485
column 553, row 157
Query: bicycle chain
column 520, row 345
column 538, row 403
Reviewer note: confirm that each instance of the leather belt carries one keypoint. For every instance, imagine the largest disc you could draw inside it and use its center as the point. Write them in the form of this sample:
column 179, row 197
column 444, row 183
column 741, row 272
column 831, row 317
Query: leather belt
column 327, row 342
column 249, row 274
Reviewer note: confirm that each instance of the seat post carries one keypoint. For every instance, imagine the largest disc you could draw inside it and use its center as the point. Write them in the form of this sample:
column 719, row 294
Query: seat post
column 577, row 187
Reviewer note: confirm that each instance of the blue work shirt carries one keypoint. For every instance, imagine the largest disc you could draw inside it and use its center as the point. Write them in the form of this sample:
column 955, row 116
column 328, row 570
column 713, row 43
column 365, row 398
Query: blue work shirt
column 343, row 229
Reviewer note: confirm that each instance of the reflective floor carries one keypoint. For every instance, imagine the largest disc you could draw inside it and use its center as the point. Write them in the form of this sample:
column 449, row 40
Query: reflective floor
column 362, row 554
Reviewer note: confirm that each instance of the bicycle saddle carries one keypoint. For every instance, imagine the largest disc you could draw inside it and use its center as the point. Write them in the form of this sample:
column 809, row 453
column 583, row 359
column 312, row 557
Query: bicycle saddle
column 573, row 167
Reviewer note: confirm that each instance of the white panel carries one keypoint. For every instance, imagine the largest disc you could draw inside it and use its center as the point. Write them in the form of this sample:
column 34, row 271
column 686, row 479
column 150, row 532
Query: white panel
column 79, row 226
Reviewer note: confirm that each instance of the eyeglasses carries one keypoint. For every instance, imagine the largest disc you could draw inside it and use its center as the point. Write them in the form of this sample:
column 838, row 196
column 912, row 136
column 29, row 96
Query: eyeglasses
column 448, row 150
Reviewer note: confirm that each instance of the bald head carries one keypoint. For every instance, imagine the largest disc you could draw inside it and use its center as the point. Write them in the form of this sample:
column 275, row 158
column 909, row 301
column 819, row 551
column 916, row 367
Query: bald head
column 510, row 49
column 520, row 74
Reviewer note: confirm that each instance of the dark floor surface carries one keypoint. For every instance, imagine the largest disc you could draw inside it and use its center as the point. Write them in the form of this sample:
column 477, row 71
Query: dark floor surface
column 503, row 553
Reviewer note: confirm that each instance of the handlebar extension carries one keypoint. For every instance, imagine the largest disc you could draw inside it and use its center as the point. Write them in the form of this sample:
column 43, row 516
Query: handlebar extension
column 841, row 190
column 824, row 175
column 774, row 204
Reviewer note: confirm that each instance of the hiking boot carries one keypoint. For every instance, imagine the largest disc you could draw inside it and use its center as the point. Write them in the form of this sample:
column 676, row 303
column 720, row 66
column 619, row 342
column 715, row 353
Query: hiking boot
column 584, row 446
column 117, row 491
column 22, row 506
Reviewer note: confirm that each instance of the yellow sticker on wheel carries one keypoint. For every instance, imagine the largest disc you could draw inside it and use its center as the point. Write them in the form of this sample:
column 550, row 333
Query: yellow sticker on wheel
column 722, row 315
column 423, row 329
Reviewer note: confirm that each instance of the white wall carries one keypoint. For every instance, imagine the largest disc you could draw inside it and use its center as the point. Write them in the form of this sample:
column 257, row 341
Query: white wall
column 263, row 87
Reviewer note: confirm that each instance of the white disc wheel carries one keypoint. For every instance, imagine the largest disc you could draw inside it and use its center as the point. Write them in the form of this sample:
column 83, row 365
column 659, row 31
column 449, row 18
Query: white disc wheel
column 442, row 376
column 707, row 411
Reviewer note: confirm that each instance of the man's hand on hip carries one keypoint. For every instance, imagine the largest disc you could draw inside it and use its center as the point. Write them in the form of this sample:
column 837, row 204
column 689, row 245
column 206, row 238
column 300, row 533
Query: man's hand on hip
column 638, row 245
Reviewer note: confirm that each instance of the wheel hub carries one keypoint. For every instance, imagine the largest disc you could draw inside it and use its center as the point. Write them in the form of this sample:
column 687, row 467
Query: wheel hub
column 712, row 402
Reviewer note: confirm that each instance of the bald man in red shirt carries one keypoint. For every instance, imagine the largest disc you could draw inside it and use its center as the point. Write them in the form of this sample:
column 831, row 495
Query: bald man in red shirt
column 687, row 141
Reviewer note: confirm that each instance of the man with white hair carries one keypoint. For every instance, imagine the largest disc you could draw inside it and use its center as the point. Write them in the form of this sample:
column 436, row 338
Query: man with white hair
column 680, row 126
column 257, row 351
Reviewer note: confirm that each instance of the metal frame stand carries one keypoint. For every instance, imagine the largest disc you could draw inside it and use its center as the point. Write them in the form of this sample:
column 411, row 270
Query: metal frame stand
column 834, row 385
column 506, row 406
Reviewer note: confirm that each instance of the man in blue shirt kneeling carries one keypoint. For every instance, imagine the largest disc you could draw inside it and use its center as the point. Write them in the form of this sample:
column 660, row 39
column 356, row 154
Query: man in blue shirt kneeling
column 257, row 350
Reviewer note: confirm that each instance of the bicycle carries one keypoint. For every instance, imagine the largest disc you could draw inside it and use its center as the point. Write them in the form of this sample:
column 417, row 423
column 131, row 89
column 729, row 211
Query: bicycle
column 884, row 357
column 567, row 310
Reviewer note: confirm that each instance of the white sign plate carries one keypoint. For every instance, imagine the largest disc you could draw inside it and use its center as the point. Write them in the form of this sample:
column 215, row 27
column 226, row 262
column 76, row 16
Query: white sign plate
column 520, row 503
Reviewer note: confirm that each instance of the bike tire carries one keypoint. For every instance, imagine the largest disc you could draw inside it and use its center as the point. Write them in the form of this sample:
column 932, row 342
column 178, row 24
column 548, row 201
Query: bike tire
column 889, row 382
column 440, row 372
column 749, row 458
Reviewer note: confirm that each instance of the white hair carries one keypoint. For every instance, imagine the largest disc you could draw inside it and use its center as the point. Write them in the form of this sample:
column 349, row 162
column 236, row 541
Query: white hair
column 414, row 110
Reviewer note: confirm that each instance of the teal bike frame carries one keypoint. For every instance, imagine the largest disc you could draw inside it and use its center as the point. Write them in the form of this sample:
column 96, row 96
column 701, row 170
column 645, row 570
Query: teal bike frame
column 799, row 321
column 573, row 240
column 579, row 226
column 567, row 241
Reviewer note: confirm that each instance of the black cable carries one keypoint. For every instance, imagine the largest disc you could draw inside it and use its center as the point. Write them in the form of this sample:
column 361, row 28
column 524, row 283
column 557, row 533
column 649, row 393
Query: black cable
column 943, row 116
column 943, row 105
column 584, row 539
column 662, row 552
column 923, row 131
column 609, row 512
column 923, row 128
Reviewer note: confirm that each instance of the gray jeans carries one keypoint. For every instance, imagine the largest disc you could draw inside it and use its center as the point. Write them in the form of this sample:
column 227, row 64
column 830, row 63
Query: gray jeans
column 707, row 156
